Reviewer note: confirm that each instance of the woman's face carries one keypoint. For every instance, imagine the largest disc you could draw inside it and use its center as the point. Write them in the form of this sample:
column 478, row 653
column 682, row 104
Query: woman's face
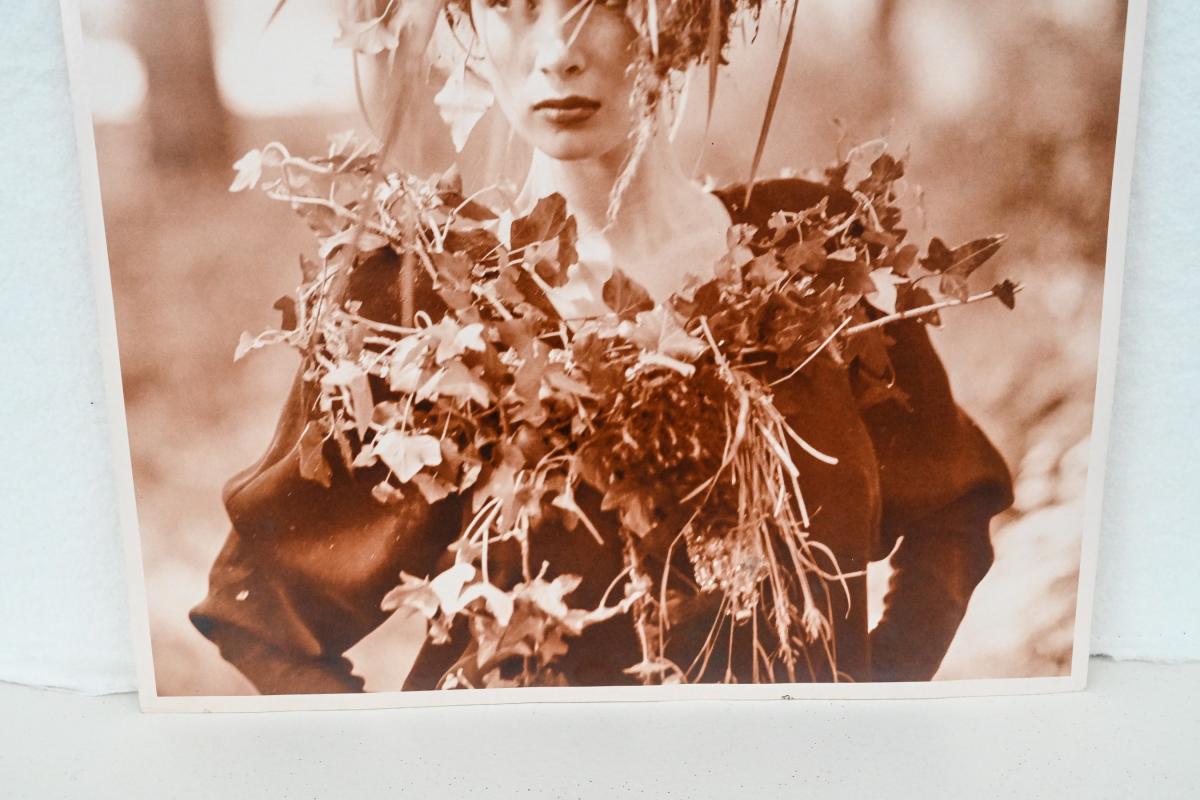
column 560, row 72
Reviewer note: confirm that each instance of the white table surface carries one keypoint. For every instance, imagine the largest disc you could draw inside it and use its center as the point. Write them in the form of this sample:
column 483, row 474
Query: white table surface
column 1134, row 734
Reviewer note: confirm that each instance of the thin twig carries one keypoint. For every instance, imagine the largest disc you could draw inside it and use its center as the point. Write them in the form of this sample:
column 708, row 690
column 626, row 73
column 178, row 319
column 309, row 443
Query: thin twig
column 921, row 311
column 813, row 354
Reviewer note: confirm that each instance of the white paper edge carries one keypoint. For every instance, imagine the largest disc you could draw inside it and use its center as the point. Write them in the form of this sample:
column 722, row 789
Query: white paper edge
column 1110, row 317
column 89, row 179
column 1131, row 72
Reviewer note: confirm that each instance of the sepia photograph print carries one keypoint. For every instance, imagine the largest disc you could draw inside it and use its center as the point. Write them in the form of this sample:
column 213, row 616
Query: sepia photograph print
column 509, row 350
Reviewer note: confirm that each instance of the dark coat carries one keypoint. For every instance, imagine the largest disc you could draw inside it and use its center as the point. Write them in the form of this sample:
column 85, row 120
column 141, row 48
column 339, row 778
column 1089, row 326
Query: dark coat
column 302, row 574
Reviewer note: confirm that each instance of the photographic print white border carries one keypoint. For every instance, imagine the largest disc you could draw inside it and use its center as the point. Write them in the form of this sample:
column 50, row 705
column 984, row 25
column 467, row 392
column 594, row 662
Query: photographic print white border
column 123, row 473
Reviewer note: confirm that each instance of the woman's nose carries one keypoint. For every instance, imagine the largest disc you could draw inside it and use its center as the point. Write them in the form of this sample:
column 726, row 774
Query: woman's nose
column 557, row 53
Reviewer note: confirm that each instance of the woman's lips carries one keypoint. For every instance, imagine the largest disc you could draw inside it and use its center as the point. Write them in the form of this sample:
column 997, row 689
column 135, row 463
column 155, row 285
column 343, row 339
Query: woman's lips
column 567, row 110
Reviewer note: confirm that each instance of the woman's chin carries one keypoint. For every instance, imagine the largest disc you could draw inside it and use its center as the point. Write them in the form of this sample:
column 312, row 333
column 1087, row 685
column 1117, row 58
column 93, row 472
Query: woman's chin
column 571, row 145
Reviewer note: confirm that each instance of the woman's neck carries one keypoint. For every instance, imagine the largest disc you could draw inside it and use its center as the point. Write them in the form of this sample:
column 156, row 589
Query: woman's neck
column 659, row 207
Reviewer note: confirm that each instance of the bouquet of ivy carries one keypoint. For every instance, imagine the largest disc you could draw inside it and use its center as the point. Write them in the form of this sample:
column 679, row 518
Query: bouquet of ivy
column 537, row 378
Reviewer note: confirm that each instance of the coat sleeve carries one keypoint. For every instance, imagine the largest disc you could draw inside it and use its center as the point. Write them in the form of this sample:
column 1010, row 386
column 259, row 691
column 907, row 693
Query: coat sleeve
column 942, row 481
column 305, row 567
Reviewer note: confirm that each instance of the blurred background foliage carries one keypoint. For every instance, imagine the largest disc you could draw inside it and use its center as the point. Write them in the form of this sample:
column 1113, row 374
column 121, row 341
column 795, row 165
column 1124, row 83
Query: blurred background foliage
column 1007, row 110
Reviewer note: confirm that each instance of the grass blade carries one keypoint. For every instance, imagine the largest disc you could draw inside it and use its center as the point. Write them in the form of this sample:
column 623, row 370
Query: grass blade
column 714, row 58
column 278, row 7
column 776, row 85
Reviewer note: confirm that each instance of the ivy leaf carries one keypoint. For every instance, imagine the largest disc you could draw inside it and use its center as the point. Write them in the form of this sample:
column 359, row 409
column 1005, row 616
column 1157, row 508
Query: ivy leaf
column 500, row 484
column 560, row 381
column 855, row 276
column 547, row 218
column 763, row 270
column 952, row 284
column 448, row 587
column 939, row 257
column 249, row 168
column 970, row 256
column 885, row 294
column 658, row 331
column 453, row 268
column 1006, row 293
column 881, row 238
column 808, row 255
column 457, row 381
column 286, row 305
column 663, row 342
column 246, row 343
column 476, row 244
column 313, row 466
column 581, row 296
column 405, row 368
column 635, row 506
column 565, row 501
column 518, row 286
column 543, row 257
column 547, row 221
column 515, row 334
column 508, row 291
column 414, row 593
column 249, row 171
column 407, row 454
column 963, row 260
column 386, row 494
column 462, row 102
column 647, row 670
column 499, row 603
column 861, row 160
column 835, row 176
column 548, row 595
column 902, row 260
column 592, row 464
column 885, row 170
column 553, row 646
column 527, row 384
column 625, row 296
column 454, row 339
column 350, row 376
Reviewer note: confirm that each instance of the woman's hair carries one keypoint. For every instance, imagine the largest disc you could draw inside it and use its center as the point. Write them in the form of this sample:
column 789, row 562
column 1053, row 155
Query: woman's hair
column 675, row 35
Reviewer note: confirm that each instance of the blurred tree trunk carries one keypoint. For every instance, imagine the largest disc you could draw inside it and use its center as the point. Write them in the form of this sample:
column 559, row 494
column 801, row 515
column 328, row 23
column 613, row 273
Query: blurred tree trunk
column 888, row 88
column 189, row 125
column 885, row 26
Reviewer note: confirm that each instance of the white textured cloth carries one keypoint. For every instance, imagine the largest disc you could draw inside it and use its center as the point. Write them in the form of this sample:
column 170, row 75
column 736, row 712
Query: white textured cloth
column 64, row 619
